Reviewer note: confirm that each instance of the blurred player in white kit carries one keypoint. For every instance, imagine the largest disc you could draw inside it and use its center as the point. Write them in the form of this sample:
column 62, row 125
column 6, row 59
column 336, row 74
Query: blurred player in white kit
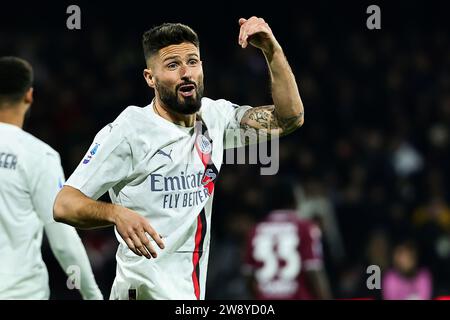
column 30, row 177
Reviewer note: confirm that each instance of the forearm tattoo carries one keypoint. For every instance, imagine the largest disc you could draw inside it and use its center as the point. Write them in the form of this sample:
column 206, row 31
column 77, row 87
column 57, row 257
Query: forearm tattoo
column 266, row 121
column 290, row 124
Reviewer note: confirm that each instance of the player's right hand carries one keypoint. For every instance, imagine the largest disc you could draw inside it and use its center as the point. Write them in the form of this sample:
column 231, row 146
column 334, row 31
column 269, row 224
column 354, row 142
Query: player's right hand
column 133, row 227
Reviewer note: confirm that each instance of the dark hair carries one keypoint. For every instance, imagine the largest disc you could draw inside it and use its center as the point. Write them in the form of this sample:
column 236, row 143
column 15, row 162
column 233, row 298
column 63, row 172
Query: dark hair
column 165, row 35
column 16, row 78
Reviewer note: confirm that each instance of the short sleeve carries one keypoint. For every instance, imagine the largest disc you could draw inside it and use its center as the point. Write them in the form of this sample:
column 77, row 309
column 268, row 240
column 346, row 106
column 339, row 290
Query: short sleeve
column 233, row 132
column 46, row 181
column 107, row 163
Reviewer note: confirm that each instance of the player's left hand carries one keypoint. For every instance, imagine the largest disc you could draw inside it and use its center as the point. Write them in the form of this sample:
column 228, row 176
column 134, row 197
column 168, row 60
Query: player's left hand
column 258, row 33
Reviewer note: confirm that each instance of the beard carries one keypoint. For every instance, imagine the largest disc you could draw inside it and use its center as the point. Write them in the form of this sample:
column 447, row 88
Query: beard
column 183, row 105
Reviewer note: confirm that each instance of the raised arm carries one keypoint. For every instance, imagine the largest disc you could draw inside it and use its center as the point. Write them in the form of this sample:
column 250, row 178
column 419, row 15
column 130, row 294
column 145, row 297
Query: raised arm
column 286, row 114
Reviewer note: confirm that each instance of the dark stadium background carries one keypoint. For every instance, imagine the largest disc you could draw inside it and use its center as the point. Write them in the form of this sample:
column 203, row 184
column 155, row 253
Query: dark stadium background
column 374, row 149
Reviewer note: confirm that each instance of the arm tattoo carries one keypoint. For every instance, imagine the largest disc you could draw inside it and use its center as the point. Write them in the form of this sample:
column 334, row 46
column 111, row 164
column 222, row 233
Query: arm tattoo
column 266, row 120
column 290, row 124
column 260, row 118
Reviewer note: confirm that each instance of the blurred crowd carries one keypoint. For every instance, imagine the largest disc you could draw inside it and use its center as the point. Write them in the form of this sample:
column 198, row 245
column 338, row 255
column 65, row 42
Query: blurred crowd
column 370, row 165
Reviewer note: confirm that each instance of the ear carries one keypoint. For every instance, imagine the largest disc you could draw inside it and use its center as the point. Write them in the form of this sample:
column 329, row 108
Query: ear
column 148, row 75
column 28, row 98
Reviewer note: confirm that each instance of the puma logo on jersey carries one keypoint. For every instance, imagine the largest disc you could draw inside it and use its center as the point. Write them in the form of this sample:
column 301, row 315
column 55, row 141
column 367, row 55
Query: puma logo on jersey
column 111, row 126
column 161, row 152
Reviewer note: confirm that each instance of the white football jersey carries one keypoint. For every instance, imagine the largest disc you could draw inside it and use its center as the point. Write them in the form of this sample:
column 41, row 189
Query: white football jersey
column 30, row 177
column 166, row 173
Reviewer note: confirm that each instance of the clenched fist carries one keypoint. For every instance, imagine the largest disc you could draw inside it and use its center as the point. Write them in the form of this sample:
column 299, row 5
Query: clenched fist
column 258, row 33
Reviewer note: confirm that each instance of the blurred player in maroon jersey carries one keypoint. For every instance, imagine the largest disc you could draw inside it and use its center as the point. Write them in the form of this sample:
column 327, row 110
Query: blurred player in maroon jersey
column 283, row 256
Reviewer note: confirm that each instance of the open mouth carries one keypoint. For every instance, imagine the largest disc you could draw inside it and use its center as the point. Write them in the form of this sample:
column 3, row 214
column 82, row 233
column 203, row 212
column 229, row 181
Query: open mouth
column 187, row 90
